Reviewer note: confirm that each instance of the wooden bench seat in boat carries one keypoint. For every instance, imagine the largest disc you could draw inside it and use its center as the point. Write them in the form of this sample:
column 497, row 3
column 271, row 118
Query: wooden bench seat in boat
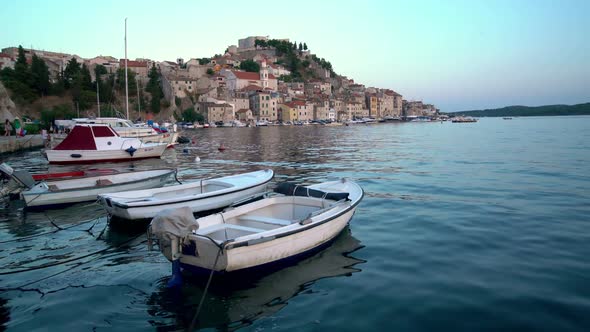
column 267, row 220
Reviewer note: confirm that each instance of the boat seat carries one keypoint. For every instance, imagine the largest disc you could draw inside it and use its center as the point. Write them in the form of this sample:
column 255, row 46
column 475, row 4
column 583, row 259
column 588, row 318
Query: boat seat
column 267, row 220
column 218, row 227
column 103, row 182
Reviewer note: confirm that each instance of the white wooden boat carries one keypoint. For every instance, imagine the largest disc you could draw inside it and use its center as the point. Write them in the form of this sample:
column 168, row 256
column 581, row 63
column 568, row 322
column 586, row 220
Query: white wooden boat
column 200, row 195
column 257, row 234
column 82, row 189
column 88, row 143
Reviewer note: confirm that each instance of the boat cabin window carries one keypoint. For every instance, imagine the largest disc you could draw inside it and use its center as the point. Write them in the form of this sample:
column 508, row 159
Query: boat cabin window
column 102, row 132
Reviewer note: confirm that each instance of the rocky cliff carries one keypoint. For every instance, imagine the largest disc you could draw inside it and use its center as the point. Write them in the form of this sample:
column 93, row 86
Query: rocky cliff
column 7, row 107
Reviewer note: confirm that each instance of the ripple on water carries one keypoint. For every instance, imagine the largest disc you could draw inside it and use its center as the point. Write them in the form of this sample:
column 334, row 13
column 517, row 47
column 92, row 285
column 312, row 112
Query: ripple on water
column 463, row 227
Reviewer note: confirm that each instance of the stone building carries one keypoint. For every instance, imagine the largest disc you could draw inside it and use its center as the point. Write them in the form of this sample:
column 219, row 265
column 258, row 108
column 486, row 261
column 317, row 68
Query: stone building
column 214, row 112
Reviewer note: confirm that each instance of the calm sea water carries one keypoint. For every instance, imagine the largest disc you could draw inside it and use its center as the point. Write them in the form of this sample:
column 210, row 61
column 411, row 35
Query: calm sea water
column 475, row 226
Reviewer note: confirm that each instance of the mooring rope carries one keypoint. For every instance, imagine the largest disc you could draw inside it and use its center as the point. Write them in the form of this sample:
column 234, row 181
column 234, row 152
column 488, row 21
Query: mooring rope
column 54, row 231
column 193, row 322
column 68, row 260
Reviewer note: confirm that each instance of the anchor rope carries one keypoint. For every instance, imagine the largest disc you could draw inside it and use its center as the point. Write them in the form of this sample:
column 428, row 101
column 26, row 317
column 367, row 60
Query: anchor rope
column 193, row 322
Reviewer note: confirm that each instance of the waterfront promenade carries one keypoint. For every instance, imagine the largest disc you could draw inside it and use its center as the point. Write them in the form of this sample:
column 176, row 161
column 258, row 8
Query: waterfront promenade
column 10, row 144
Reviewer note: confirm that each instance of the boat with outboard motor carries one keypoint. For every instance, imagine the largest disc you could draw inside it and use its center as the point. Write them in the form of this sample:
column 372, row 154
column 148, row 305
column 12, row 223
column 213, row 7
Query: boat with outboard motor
column 267, row 231
column 60, row 188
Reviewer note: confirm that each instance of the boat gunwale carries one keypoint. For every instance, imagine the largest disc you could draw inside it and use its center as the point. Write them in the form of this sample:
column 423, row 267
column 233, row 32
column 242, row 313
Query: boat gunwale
column 232, row 243
column 58, row 191
column 225, row 191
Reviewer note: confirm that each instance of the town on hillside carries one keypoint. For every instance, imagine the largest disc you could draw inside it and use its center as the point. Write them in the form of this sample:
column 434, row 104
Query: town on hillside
column 259, row 80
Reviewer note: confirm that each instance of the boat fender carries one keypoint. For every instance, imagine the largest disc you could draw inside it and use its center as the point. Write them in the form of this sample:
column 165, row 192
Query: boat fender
column 76, row 155
column 131, row 150
column 292, row 189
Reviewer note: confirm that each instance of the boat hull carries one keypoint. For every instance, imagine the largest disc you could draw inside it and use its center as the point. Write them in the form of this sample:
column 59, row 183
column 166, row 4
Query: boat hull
column 37, row 199
column 266, row 232
column 266, row 253
column 147, row 204
column 95, row 156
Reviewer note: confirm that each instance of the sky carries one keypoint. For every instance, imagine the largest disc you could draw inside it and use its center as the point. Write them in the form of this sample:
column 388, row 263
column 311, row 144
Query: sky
column 459, row 55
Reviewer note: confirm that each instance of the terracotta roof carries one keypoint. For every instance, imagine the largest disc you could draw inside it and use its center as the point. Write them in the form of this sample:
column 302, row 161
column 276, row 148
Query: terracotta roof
column 252, row 87
column 299, row 103
column 243, row 110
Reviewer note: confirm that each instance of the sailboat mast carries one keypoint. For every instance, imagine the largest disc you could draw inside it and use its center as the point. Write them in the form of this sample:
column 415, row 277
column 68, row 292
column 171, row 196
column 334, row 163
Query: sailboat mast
column 97, row 94
column 138, row 100
column 126, row 83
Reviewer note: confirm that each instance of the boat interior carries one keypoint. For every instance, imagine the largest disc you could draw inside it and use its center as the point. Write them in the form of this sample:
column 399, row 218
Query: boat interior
column 278, row 212
column 205, row 187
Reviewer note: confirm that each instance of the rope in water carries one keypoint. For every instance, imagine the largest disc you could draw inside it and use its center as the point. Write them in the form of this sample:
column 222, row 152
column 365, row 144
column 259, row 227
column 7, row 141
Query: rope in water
column 194, row 321
column 68, row 260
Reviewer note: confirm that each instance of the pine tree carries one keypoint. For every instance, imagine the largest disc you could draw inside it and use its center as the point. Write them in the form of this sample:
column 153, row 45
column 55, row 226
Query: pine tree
column 86, row 78
column 39, row 76
column 153, row 87
column 71, row 71
column 300, row 47
column 21, row 67
column 304, row 46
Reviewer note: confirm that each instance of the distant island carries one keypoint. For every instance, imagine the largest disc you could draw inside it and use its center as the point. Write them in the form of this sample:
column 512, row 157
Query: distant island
column 547, row 110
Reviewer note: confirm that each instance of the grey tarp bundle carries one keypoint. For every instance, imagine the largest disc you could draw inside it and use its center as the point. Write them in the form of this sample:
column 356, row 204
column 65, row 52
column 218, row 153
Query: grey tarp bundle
column 169, row 223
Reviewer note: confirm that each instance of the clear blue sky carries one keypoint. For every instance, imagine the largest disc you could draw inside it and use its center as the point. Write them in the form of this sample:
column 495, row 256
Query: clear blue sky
column 458, row 55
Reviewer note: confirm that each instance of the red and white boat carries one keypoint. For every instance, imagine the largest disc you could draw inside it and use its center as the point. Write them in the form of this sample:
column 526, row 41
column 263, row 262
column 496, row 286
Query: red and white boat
column 89, row 143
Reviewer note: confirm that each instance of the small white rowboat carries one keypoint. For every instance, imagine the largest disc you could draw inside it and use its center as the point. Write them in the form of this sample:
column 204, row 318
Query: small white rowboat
column 259, row 233
column 200, row 195
column 47, row 193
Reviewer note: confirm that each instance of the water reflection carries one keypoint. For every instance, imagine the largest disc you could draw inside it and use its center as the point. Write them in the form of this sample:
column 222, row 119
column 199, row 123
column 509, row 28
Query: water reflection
column 234, row 302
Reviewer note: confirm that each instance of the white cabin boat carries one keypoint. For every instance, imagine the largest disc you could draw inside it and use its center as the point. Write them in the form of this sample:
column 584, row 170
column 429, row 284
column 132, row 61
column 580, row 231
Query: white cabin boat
column 83, row 189
column 260, row 233
column 200, row 195
column 123, row 127
column 100, row 143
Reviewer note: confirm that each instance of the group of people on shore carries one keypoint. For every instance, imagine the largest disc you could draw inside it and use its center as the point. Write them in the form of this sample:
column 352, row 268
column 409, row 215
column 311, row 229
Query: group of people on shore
column 18, row 130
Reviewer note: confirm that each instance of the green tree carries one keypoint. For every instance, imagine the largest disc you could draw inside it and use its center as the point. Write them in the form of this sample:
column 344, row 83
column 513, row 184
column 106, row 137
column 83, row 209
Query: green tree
column 86, row 78
column 21, row 67
column 131, row 81
column 71, row 71
column 250, row 66
column 154, row 88
column 210, row 71
column 58, row 88
column 100, row 70
column 40, row 76
column 300, row 47
column 57, row 112
column 189, row 115
column 204, row 61
column 304, row 46
column 261, row 43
